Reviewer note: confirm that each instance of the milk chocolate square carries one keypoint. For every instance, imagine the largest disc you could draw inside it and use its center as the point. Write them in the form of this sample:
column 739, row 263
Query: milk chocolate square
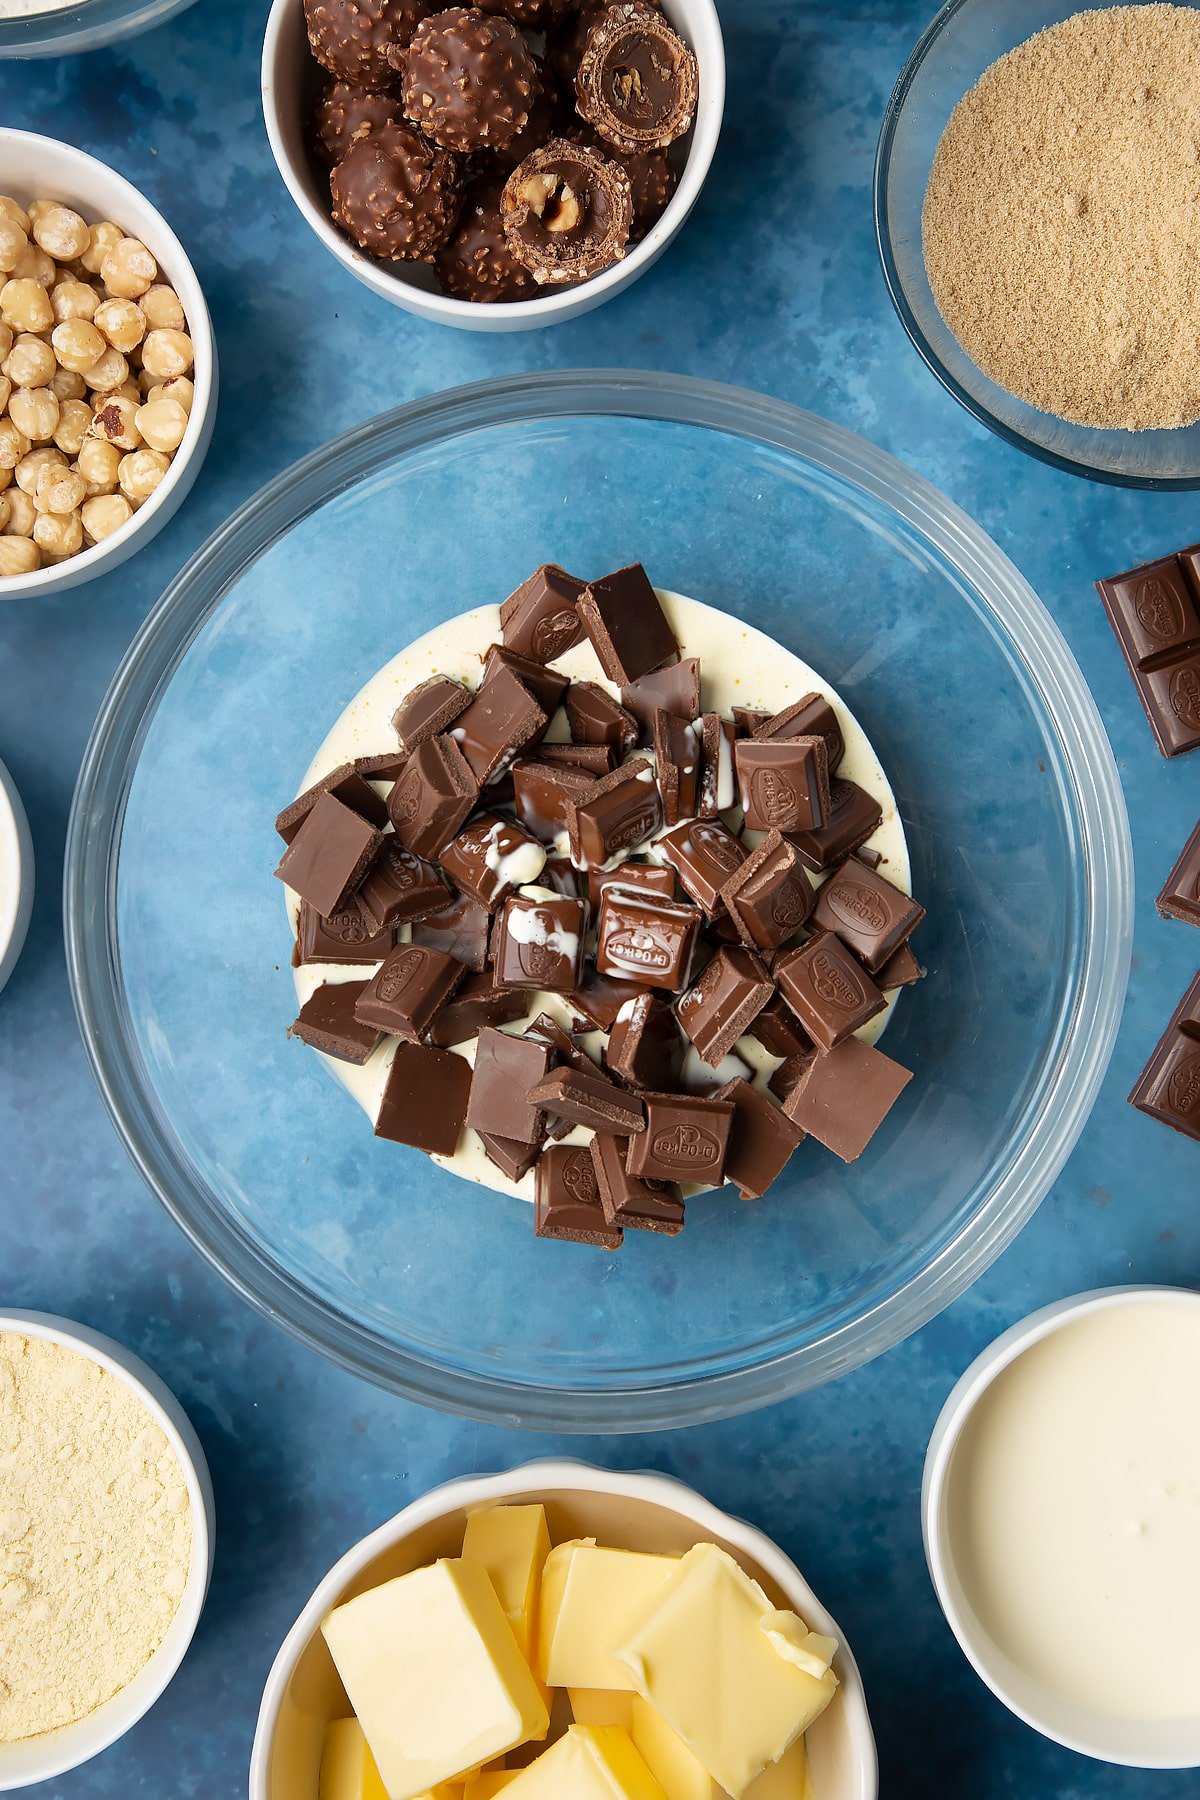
column 345, row 937
column 677, row 754
column 502, row 719
column 425, row 1101
column 867, row 911
column 842, row 1099
column 327, row 1021
column 718, row 785
column 539, row 619
column 567, row 1203
column 540, row 943
column 491, row 856
column 675, row 689
column 654, row 877
column 761, row 1140
column 399, row 886
column 588, row 1098
column 329, row 855
column 685, row 1139
column 704, row 854
column 506, row 1068
column 813, row 716
column 629, row 1201
column 346, row 784
column 646, row 1047
column 594, row 717
column 645, row 938
column 407, row 990
column 1180, row 895
column 547, row 686
column 769, row 897
column 732, row 991
column 629, row 630
column 783, row 783
column 460, row 927
column 475, row 1003
column 543, row 794
column 432, row 796
column 616, row 813
column 853, row 816
column 428, row 709
column 828, row 990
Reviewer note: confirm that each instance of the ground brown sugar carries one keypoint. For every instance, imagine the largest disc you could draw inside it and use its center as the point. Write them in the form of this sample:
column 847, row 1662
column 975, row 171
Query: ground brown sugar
column 1062, row 219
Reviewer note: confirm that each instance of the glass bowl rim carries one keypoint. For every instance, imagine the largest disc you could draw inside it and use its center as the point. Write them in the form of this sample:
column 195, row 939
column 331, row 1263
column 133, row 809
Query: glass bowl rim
column 893, row 113
column 86, row 25
column 97, row 815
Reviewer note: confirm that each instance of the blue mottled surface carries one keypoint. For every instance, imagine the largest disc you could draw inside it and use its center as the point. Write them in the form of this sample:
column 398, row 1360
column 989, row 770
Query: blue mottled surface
column 305, row 1458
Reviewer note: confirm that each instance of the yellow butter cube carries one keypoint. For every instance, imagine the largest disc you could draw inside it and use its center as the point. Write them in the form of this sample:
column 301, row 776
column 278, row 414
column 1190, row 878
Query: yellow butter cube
column 702, row 1658
column 432, row 1669
column 787, row 1779
column 590, row 1597
column 348, row 1769
column 601, row 1706
column 488, row 1782
column 511, row 1543
column 679, row 1773
column 591, row 1762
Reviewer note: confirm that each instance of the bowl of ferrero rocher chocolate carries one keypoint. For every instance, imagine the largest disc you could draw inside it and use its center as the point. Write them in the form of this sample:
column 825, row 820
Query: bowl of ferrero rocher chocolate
column 499, row 166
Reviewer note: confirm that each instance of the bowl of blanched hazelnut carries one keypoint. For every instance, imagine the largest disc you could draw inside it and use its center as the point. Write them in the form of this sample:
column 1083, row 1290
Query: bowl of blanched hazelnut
column 108, row 379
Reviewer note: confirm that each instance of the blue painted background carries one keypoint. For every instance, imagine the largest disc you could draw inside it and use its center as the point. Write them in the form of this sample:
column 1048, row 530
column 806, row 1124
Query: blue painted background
column 774, row 284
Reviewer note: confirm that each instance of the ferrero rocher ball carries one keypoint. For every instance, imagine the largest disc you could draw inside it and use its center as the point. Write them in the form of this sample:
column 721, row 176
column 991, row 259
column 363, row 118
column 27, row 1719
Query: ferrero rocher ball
column 397, row 195
column 351, row 38
column 469, row 79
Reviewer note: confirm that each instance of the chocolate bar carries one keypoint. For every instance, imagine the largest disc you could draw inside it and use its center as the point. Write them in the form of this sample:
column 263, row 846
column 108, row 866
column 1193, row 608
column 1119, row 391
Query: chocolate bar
column 432, row 797
column 407, row 989
column 328, row 1022
column 704, row 854
column 769, row 896
column 567, row 1201
column 538, row 943
column 1180, row 895
column 491, row 856
column 616, row 813
column 685, row 1139
column 761, row 1140
column 502, row 719
column 506, row 1068
column 1155, row 612
column 843, row 1098
column 345, row 937
column 1168, row 1088
column 346, row 784
column 628, row 1200
column 429, row 709
column 783, row 783
column 539, row 619
column 425, row 1100
column 398, row 887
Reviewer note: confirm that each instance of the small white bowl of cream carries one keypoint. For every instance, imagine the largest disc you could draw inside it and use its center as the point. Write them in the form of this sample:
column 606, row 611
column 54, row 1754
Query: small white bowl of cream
column 16, row 875
column 1061, row 1513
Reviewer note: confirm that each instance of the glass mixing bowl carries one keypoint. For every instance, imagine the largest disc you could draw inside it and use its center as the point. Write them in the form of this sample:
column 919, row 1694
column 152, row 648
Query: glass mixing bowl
column 86, row 25
column 963, row 40
column 178, row 951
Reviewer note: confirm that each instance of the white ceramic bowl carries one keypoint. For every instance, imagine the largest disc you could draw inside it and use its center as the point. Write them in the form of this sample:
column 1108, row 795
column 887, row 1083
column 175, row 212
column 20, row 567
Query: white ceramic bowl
column 44, row 1758
column 33, row 167
column 16, row 875
column 291, row 80
column 1170, row 1744
column 646, row 1512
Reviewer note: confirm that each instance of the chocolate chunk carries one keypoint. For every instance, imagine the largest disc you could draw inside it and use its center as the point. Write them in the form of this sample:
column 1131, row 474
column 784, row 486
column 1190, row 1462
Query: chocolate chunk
column 811, row 717
column 677, row 753
column 506, row 1068
column 842, row 1099
column 475, row 1003
column 384, row 767
column 618, row 812
column 345, row 784
column 407, row 990
column 544, row 793
column 567, row 1201
column 675, row 689
column 346, row 937
column 769, row 897
column 476, row 263
column 704, row 854
column 718, row 789
column 783, row 784
column 761, row 1140
column 502, row 720
column 747, row 719
column 685, row 1139
column 595, row 760
column 1180, row 896
column 468, row 79
column 425, row 1101
column 460, row 927
column 645, row 938
column 599, row 998
column 491, row 856
column 327, row 1022
column 1155, row 612
column 649, row 876
column 345, row 113
column 595, row 718
column 629, row 630
column 399, row 886
column 549, row 1032
column 867, row 912
column 729, row 995
column 351, row 38
column 567, row 212
column 429, row 709
column 637, row 81
column 514, row 1159
column 589, row 1099
column 548, row 686
column 900, row 970
column 328, row 857
column 790, row 1073
column 853, row 816
column 560, row 877
column 646, row 1047
column 778, row 1030
column 1169, row 1086
column 628, row 1201
column 538, row 943
column 828, row 990
column 433, row 796
column 397, row 195
column 539, row 619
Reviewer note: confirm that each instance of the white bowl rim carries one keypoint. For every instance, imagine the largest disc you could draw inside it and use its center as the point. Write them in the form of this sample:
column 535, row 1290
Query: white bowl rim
column 191, row 452
column 558, row 1474
column 18, row 846
column 960, row 1404
column 545, row 309
column 90, row 1735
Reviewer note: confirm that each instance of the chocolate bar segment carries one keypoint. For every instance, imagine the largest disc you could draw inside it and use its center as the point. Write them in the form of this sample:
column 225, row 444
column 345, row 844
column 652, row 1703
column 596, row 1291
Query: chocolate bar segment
column 589, row 1099
column 616, row 813
column 769, row 897
column 398, row 887
column 783, row 784
column 346, row 784
column 1180, row 896
column 779, row 1031
column 1155, row 612
column 547, row 686
column 828, row 990
column 645, row 938
column 506, row 1068
column 704, row 854
column 429, row 709
column 600, row 998
column 567, row 1202
column 629, row 1201
column 432, row 797
column 594, row 759
column 729, row 995
column 425, row 1100
column 853, row 816
column 677, row 753
column 685, row 1139
column 645, row 1046
column 514, row 1158
column 628, row 628
column 407, row 990
column 544, row 793
column 491, row 856
column 539, row 619
column 675, row 689
column 345, row 937
column 811, row 717
column 502, row 720
column 594, row 717
column 842, row 1099
column 1169, row 1086
column 761, row 1140
column 718, row 785
column 384, row 767
column 653, row 877
column 539, row 942
column 460, row 927
column 900, row 970
column 327, row 1021
column 870, row 915
column 329, row 855
column 475, row 1003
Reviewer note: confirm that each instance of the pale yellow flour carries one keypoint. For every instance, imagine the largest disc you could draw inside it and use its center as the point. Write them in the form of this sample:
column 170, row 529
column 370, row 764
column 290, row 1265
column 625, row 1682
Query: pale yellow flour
column 1062, row 219
column 95, row 1536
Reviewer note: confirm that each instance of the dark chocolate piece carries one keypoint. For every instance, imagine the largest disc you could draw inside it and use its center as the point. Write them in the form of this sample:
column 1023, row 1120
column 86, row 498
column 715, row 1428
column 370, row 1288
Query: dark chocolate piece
column 900, row 970
column 595, row 760
column 618, row 812
column 330, row 854
column 651, row 876
column 761, row 1140
column 547, row 685
column 475, row 1003
column 629, row 630
column 637, row 83
column 397, row 195
column 567, row 212
column 428, row 709
column 718, row 788
column 399, row 886
column 460, row 927
column 646, row 938
column 346, row 784
column 629, row 1201
column 327, row 1021
column 425, row 1101
column 1180, row 896
column 468, row 79
column 589, row 1099
column 853, row 816
column 828, row 990
column 432, row 797
column 747, row 719
column 842, row 1099
column 345, row 113
column 476, row 263
column 539, row 943
column 351, row 38
column 539, row 619
column 502, row 720
column 1168, row 1088
column 729, row 995
column 769, row 897
column 685, row 1139
column 384, row 767
column 506, row 1068
column 646, row 1047
column 1155, row 613
column 595, row 718
column 345, row 938
column 675, row 689
column 407, row 990
column 491, row 856
column 811, row 717
column 567, row 1203
column 778, row 1030
column 543, row 794
column 677, row 753
column 783, row 783
column 867, row 912
column 599, row 998
column 513, row 1158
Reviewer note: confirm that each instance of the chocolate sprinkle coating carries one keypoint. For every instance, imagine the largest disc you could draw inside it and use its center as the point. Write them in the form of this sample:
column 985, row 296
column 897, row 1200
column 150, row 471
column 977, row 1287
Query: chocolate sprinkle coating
column 549, row 117
column 344, row 114
column 567, row 212
column 396, row 195
column 477, row 263
column 637, row 81
column 351, row 38
column 469, row 79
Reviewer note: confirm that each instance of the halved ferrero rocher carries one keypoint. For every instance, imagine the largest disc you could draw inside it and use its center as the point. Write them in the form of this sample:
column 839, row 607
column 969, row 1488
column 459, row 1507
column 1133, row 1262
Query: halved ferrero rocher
column 567, row 212
column 637, row 81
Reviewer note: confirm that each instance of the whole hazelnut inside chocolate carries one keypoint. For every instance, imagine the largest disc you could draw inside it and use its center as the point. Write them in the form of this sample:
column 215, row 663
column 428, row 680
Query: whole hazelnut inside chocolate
column 469, row 79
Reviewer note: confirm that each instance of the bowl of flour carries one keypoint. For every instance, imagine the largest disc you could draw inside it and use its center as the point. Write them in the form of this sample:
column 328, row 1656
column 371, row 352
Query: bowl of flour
column 106, row 1538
